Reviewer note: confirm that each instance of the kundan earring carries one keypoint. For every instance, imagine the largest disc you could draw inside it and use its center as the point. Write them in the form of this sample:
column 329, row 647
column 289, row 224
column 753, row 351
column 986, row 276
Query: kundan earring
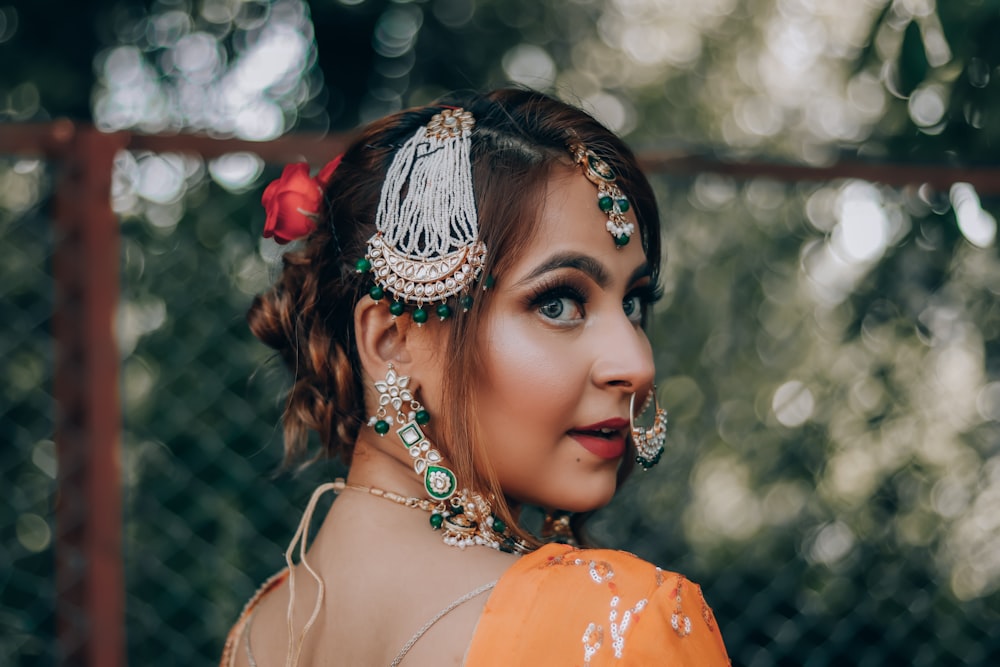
column 394, row 391
column 464, row 517
column 648, row 441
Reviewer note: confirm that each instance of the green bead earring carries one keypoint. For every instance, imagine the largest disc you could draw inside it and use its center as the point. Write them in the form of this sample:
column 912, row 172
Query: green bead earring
column 394, row 391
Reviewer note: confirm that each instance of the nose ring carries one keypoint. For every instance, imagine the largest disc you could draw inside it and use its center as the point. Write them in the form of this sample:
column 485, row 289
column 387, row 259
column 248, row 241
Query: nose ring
column 648, row 441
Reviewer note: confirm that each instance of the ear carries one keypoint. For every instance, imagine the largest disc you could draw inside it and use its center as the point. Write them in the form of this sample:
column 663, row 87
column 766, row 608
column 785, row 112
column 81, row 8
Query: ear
column 383, row 339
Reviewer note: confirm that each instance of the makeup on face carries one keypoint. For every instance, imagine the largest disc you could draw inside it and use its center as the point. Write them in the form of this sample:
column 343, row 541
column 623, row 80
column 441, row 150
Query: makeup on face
column 564, row 352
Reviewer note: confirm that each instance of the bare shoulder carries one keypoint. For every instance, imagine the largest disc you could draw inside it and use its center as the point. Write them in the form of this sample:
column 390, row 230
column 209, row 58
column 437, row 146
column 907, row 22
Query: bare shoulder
column 244, row 639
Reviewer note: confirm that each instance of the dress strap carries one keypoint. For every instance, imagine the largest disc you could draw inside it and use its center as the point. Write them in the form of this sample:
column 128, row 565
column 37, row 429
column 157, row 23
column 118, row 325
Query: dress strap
column 246, row 639
column 302, row 538
column 437, row 617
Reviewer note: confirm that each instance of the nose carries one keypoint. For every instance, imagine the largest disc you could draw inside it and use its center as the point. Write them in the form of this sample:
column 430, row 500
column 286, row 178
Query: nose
column 624, row 359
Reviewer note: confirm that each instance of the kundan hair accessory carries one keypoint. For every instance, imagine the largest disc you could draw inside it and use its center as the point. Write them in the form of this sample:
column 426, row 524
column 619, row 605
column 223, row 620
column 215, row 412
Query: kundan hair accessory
column 609, row 196
column 426, row 247
column 464, row 517
column 294, row 201
column 648, row 441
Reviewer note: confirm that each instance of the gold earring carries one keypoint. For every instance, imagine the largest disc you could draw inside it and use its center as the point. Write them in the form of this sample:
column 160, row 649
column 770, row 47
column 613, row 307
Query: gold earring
column 648, row 441
column 439, row 481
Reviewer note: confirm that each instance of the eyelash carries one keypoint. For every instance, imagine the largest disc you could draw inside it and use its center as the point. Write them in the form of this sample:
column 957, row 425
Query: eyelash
column 648, row 294
column 556, row 289
column 546, row 292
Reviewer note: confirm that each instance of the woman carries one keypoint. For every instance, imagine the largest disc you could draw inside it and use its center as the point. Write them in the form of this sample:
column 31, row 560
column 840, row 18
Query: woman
column 464, row 325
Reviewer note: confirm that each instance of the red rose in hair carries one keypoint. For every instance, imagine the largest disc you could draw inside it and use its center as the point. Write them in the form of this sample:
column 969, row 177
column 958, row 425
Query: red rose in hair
column 293, row 202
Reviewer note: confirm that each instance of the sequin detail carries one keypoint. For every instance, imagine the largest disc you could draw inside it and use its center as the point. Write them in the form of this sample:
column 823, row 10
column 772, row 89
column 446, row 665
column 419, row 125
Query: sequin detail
column 706, row 611
column 602, row 574
column 679, row 621
column 598, row 635
column 618, row 628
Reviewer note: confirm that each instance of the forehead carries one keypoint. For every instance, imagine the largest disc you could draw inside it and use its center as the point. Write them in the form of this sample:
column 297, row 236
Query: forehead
column 571, row 220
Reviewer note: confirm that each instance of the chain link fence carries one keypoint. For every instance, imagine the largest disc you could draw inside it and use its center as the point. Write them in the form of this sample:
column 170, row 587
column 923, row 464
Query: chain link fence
column 832, row 475
column 27, row 457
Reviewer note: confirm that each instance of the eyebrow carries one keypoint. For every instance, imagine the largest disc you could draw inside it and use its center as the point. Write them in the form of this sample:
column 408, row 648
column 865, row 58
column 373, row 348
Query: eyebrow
column 585, row 264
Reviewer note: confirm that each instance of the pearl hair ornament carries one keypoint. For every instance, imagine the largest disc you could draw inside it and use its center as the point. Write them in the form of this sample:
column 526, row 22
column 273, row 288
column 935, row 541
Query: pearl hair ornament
column 426, row 247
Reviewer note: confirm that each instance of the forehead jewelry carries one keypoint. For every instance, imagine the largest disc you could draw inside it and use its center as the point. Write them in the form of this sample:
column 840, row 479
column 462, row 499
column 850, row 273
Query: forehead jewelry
column 610, row 199
column 648, row 441
column 426, row 247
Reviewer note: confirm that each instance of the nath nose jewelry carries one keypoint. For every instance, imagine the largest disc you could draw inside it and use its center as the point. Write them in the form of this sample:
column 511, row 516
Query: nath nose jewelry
column 648, row 441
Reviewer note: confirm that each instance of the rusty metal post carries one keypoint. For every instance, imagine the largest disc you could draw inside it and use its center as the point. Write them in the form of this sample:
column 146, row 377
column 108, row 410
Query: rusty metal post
column 90, row 612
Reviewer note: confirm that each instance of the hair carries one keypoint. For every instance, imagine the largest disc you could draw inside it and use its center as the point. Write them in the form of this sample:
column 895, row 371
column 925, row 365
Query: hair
column 519, row 137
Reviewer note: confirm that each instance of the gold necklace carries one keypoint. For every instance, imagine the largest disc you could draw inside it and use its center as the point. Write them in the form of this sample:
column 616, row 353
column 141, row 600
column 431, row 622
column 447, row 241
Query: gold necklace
column 466, row 519
column 340, row 485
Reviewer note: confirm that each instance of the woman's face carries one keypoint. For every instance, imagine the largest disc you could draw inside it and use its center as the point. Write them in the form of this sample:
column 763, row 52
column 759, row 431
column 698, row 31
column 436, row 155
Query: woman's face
column 563, row 353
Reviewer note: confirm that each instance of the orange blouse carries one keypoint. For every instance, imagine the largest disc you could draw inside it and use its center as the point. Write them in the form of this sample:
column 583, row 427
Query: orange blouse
column 565, row 606
column 580, row 607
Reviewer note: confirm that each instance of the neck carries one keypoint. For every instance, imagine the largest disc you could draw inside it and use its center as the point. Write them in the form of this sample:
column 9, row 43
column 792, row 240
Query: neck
column 373, row 465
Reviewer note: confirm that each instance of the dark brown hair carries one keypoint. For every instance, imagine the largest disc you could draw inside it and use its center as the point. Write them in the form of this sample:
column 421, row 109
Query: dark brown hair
column 308, row 315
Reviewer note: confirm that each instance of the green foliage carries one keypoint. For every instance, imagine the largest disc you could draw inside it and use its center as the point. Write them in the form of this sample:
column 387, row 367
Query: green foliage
column 961, row 73
column 829, row 352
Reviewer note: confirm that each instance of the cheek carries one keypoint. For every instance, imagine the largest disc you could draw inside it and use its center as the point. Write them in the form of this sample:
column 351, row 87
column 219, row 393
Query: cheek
column 524, row 367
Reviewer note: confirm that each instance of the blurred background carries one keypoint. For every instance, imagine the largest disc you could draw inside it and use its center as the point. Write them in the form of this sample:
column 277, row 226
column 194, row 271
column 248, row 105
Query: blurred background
column 828, row 347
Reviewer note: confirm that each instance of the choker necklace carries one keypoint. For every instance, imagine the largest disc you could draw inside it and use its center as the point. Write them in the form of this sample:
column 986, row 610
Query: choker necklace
column 465, row 519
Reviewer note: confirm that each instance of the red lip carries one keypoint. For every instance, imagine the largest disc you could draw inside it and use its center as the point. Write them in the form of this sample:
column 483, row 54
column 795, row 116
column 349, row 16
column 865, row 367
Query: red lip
column 606, row 447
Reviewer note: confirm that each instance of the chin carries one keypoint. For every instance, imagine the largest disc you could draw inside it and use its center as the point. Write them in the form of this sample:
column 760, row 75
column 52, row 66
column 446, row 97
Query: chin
column 585, row 496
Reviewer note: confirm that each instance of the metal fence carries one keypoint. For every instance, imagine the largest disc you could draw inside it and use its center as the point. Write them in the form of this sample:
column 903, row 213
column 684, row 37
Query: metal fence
column 142, row 421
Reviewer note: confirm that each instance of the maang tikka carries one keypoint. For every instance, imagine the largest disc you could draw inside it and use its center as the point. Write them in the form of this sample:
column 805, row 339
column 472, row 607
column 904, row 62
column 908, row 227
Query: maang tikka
column 426, row 247
column 610, row 198
column 648, row 441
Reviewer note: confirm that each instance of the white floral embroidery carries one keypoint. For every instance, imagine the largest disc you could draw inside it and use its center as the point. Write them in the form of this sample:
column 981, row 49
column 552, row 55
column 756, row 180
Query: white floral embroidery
column 593, row 637
column 618, row 629
column 601, row 573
